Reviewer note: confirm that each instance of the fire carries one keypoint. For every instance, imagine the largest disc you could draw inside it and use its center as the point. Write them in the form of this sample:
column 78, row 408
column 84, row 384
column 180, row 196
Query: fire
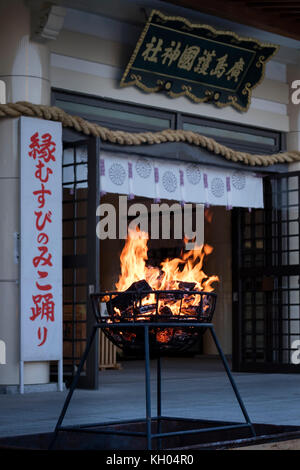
column 208, row 214
column 171, row 274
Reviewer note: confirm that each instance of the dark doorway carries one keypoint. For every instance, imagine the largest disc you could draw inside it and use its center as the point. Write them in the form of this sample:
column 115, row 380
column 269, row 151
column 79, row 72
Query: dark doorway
column 266, row 274
column 80, row 252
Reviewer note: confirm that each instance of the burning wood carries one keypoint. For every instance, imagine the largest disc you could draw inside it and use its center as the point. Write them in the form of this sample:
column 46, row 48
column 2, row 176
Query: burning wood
column 145, row 295
column 186, row 285
column 123, row 301
column 184, row 273
column 165, row 311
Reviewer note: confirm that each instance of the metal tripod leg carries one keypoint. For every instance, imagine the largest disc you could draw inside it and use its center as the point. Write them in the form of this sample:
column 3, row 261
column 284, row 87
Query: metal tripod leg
column 148, row 388
column 73, row 386
column 231, row 379
column 158, row 392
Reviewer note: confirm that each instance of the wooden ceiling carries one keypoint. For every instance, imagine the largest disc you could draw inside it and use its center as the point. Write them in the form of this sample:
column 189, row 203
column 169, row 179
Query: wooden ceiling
column 276, row 16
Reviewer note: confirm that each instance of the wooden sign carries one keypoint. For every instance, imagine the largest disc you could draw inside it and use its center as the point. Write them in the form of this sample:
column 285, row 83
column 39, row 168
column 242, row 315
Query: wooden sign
column 197, row 61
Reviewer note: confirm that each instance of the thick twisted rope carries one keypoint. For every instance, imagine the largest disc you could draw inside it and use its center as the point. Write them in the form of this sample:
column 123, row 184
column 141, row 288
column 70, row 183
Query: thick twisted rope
column 53, row 113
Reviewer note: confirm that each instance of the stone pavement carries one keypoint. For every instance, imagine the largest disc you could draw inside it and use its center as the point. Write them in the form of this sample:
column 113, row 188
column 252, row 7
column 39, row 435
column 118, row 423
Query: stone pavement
column 192, row 387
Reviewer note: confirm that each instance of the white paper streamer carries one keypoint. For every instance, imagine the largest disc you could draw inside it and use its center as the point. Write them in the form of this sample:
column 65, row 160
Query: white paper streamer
column 184, row 182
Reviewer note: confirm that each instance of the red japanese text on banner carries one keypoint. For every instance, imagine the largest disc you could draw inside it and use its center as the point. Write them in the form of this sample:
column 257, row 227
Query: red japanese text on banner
column 41, row 240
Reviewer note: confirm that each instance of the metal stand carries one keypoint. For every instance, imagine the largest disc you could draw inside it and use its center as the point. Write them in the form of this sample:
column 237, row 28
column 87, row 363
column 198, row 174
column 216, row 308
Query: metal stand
column 149, row 419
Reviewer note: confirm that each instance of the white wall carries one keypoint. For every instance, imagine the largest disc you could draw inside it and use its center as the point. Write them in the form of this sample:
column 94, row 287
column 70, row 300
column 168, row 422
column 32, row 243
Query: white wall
column 24, row 67
column 91, row 55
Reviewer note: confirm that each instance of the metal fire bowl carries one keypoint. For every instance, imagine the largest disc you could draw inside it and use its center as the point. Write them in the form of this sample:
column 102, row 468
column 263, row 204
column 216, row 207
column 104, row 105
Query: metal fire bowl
column 168, row 338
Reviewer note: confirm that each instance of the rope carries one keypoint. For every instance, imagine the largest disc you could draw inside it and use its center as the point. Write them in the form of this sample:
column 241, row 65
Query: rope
column 53, row 113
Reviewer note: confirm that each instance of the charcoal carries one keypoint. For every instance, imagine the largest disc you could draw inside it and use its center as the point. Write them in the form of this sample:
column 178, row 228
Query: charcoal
column 128, row 312
column 146, row 308
column 137, row 310
column 122, row 301
column 181, row 335
column 164, row 336
column 166, row 311
column 192, row 310
column 171, row 297
column 186, row 285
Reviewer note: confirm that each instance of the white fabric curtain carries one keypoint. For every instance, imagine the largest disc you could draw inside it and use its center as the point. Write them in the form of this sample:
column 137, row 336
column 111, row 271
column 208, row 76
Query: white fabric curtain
column 185, row 182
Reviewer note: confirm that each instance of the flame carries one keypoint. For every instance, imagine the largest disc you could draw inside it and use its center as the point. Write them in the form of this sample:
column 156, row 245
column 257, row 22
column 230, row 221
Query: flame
column 188, row 268
column 208, row 214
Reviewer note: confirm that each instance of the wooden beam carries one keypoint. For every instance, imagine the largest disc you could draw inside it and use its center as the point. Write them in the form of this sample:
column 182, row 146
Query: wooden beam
column 270, row 3
column 280, row 9
column 239, row 12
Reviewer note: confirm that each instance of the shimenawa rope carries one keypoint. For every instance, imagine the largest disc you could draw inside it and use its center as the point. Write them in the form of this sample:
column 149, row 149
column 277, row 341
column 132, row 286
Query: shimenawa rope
column 53, row 113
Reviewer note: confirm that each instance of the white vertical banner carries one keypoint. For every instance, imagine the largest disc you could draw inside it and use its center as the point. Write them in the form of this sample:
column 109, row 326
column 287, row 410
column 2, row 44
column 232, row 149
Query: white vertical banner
column 41, row 240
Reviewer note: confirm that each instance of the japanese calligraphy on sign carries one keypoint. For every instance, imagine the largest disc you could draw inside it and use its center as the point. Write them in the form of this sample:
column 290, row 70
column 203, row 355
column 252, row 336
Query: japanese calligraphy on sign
column 41, row 240
column 206, row 65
